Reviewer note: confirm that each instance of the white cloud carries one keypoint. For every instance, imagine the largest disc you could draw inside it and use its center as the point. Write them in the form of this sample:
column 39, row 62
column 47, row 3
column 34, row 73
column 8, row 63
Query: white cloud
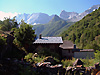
column 9, row 14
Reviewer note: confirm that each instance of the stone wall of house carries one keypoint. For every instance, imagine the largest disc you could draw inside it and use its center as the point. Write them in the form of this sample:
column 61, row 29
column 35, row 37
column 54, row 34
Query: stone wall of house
column 67, row 53
column 52, row 47
column 83, row 54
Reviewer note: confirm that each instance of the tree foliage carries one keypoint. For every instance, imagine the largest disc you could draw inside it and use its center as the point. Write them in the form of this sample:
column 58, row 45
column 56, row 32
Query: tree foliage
column 25, row 35
column 85, row 33
column 8, row 24
column 23, row 38
column 97, row 56
column 2, row 43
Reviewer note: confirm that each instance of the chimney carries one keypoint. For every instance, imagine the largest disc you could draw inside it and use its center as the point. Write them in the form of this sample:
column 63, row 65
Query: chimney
column 74, row 46
column 40, row 36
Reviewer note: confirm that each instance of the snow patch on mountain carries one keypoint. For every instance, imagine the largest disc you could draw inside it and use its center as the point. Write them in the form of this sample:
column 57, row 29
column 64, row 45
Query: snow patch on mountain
column 73, row 16
column 42, row 18
column 67, row 15
column 35, row 18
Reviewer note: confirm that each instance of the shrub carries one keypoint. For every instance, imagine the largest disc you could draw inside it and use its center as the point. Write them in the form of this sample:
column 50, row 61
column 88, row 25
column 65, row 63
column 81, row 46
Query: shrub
column 67, row 63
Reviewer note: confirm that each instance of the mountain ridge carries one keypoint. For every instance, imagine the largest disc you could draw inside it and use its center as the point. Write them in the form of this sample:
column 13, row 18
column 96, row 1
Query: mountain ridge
column 34, row 18
column 86, row 32
column 88, row 11
column 53, row 28
column 43, row 18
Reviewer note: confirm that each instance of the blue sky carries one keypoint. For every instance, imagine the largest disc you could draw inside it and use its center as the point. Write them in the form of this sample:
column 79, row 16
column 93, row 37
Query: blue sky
column 46, row 6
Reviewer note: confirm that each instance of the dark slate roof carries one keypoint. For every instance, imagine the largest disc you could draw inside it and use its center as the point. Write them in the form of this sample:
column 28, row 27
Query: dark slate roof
column 87, row 50
column 67, row 45
column 49, row 40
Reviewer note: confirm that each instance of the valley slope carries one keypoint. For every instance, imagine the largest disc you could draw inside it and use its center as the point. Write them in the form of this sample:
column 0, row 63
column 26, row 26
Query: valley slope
column 53, row 28
column 86, row 32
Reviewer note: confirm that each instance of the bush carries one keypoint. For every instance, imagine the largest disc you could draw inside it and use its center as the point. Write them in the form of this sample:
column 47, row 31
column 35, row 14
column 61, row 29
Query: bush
column 88, row 62
column 67, row 63
column 26, row 70
column 97, row 56
column 30, row 58
column 46, row 52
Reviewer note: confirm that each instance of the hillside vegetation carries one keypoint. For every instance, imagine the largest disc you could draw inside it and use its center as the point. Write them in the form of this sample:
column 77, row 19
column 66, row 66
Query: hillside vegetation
column 86, row 32
column 53, row 28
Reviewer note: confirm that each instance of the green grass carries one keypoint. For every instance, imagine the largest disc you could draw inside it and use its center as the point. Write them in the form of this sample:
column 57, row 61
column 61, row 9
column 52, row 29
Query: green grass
column 86, row 62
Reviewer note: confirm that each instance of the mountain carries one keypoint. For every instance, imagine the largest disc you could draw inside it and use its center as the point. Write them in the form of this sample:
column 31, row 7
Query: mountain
column 35, row 18
column 53, row 28
column 53, row 25
column 56, row 18
column 24, row 16
column 88, row 11
column 86, row 32
column 67, row 15
column 74, row 17
column 42, row 18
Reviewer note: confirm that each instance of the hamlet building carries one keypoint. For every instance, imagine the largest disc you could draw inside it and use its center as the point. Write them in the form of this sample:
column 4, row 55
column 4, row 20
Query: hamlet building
column 65, row 49
column 51, row 43
column 70, row 50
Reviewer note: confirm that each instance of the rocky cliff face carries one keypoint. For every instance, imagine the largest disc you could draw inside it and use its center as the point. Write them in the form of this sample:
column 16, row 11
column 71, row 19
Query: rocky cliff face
column 42, row 18
column 67, row 15
column 74, row 17
column 35, row 18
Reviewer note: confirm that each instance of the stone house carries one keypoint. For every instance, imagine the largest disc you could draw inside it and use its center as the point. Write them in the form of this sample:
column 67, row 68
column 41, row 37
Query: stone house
column 84, row 53
column 51, row 43
column 70, row 50
column 65, row 49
